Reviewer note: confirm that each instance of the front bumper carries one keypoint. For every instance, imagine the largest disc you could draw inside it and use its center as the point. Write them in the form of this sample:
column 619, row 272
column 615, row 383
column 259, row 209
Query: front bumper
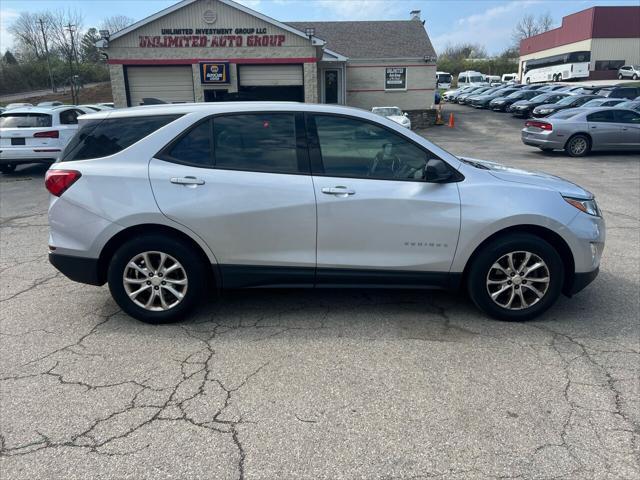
column 580, row 281
column 78, row 269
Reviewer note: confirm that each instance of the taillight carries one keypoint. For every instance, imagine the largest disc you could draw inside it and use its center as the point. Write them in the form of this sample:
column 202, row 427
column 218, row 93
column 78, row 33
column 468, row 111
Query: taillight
column 58, row 181
column 540, row 125
column 48, row 134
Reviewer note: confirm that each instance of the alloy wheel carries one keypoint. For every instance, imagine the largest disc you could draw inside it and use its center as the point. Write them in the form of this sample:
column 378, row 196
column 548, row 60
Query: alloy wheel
column 155, row 281
column 518, row 280
column 578, row 146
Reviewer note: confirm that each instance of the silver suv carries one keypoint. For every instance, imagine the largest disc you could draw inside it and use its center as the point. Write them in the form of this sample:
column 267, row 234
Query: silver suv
column 165, row 202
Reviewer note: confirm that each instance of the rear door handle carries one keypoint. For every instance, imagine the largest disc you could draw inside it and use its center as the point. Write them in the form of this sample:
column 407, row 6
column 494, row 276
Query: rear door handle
column 187, row 181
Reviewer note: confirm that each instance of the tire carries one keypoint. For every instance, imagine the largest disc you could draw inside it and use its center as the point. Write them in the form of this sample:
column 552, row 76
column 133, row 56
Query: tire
column 635, row 76
column 620, row 77
column 579, row 145
column 166, row 306
column 7, row 168
column 528, row 81
column 525, row 305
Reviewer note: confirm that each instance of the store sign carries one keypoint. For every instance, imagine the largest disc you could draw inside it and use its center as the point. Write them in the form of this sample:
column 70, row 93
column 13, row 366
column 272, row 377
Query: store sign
column 211, row 37
column 214, row 73
column 395, row 78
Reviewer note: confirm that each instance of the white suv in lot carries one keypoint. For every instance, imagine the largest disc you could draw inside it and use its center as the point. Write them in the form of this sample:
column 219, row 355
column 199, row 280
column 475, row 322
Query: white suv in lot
column 163, row 201
column 629, row 71
column 35, row 134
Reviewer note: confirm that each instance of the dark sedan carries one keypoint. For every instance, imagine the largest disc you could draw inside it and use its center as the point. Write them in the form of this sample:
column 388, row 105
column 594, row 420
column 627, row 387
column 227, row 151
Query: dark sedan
column 572, row 101
column 461, row 98
column 523, row 108
column 483, row 100
column 503, row 104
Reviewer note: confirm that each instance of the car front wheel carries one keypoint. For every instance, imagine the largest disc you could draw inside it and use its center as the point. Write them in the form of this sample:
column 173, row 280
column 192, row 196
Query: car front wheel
column 620, row 76
column 516, row 277
column 156, row 279
column 578, row 146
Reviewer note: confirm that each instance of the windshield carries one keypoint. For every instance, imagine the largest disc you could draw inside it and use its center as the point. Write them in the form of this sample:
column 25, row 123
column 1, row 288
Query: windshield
column 594, row 103
column 541, row 98
column 444, row 78
column 387, row 111
column 25, row 120
column 476, row 79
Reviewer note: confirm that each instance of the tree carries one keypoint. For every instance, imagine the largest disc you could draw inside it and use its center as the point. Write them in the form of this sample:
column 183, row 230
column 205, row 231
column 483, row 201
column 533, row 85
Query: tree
column 9, row 59
column 27, row 35
column 461, row 51
column 116, row 23
column 88, row 50
column 529, row 25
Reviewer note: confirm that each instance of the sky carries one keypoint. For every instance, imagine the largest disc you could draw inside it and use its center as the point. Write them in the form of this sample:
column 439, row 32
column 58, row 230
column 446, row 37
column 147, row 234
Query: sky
column 487, row 22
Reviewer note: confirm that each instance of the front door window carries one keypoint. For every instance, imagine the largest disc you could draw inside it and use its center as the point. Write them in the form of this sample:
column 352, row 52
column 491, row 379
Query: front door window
column 331, row 86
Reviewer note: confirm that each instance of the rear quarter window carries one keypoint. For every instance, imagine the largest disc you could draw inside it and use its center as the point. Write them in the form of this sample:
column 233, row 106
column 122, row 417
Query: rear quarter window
column 101, row 138
column 25, row 120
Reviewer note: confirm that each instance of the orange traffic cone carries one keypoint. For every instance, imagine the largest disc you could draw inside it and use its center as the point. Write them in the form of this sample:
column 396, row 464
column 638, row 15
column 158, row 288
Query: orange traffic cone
column 452, row 122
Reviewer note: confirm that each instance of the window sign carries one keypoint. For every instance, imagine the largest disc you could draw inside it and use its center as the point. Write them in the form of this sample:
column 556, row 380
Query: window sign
column 214, row 73
column 395, row 78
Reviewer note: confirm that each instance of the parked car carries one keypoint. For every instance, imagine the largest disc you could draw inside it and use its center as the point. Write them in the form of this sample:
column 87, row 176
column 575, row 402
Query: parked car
column 582, row 130
column 394, row 114
column 372, row 204
column 573, row 89
column 629, row 71
column 452, row 95
column 54, row 103
column 463, row 97
column 551, row 88
column 509, row 77
column 483, row 100
column 503, row 104
column 523, row 108
column 106, row 104
column 631, row 104
column 599, row 101
column 620, row 92
column 470, row 77
column 35, row 134
column 18, row 105
column 572, row 101
column 534, row 86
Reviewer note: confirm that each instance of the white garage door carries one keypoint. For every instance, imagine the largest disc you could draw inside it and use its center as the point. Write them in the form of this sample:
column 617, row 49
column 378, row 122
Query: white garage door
column 171, row 84
column 270, row 75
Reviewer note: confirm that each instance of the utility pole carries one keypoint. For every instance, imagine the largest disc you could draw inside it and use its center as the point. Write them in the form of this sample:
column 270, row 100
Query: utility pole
column 46, row 50
column 72, row 79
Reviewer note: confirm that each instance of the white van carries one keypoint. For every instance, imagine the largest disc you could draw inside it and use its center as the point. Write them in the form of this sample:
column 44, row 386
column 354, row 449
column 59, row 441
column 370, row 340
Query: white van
column 509, row 77
column 470, row 77
column 443, row 80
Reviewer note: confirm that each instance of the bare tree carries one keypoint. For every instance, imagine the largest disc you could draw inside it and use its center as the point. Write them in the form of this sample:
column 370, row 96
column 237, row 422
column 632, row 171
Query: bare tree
column 27, row 35
column 460, row 51
column 116, row 23
column 66, row 28
column 529, row 25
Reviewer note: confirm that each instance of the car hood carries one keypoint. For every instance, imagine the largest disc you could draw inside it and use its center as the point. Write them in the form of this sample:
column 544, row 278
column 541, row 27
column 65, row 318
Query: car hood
column 541, row 179
column 397, row 118
column 521, row 102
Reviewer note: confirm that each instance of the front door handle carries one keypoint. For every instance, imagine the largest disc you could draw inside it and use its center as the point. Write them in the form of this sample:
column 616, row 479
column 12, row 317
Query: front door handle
column 338, row 191
column 187, row 181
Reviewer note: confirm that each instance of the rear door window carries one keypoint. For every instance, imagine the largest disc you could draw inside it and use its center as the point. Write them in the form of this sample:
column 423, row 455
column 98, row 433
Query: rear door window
column 101, row 138
column 193, row 148
column 627, row 116
column 69, row 117
column 25, row 120
column 260, row 142
column 603, row 116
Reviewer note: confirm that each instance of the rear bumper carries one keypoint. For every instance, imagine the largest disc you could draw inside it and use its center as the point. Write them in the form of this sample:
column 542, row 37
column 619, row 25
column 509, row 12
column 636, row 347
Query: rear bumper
column 17, row 156
column 78, row 269
column 541, row 141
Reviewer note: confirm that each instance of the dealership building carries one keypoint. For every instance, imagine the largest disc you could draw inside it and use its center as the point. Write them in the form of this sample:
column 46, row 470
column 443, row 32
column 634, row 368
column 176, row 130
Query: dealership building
column 220, row 50
column 611, row 35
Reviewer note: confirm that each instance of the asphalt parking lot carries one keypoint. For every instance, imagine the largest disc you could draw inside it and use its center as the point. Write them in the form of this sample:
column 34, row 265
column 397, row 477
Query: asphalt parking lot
column 328, row 384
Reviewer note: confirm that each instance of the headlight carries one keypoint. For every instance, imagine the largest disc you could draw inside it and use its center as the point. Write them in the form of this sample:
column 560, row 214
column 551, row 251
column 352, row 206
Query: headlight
column 586, row 206
column 545, row 110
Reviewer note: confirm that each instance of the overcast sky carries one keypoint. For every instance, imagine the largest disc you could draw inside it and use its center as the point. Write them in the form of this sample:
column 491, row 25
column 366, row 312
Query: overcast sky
column 482, row 21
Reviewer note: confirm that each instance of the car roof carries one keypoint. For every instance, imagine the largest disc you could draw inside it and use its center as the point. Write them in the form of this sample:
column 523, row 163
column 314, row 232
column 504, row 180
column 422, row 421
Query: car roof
column 221, row 107
column 47, row 110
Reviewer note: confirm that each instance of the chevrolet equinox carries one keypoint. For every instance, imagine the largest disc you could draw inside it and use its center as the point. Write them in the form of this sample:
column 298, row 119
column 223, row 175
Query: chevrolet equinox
column 163, row 201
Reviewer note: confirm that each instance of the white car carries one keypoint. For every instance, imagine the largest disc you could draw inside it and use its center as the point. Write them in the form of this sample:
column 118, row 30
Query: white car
column 18, row 105
column 394, row 114
column 94, row 107
column 35, row 134
column 629, row 71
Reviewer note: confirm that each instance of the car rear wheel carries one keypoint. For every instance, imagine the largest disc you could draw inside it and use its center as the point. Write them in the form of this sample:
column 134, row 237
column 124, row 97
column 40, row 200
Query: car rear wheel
column 7, row 168
column 578, row 145
column 635, row 76
column 620, row 76
column 156, row 279
column 516, row 277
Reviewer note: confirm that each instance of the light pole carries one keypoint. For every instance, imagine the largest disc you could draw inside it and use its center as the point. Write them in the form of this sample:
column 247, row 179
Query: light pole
column 46, row 50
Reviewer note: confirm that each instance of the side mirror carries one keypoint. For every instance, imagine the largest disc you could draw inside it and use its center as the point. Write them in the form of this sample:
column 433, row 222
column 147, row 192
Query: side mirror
column 437, row 171
column 405, row 114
